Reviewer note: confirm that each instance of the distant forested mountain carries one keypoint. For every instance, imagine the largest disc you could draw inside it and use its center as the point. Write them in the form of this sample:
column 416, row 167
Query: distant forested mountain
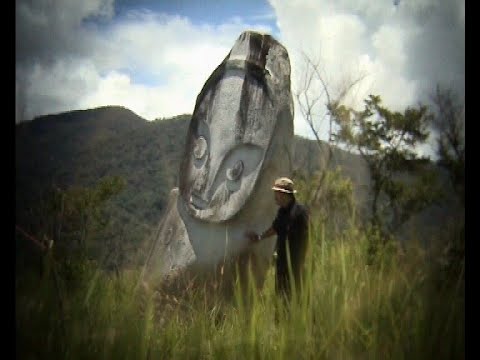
column 79, row 148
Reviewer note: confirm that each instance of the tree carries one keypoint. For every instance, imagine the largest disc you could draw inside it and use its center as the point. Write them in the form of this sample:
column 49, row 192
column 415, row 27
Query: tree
column 315, row 98
column 449, row 123
column 386, row 140
column 336, row 210
column 83, row 208
column 70, row 216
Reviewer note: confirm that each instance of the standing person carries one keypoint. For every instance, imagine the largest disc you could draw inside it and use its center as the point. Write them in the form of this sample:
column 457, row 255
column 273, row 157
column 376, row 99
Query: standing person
column 291, row 227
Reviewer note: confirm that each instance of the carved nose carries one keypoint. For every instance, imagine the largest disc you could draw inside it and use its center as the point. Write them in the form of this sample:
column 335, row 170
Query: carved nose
column 198, row 185
column 199, row 196
column 198, row 201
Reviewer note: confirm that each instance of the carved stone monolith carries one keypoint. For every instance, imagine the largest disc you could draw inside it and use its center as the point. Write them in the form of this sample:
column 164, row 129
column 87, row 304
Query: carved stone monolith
column 238, row 141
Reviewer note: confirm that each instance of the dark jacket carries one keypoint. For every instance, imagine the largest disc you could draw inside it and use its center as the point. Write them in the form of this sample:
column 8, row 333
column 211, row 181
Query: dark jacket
column 291, row 226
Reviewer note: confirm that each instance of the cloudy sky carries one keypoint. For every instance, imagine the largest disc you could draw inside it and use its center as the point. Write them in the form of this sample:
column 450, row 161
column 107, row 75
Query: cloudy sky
column 153, row 57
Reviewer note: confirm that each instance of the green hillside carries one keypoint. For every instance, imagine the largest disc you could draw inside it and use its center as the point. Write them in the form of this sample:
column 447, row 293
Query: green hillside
column 80, row 148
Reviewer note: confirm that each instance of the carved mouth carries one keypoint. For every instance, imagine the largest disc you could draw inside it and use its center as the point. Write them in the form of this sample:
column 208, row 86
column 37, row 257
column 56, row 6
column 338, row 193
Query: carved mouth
column 197, row 202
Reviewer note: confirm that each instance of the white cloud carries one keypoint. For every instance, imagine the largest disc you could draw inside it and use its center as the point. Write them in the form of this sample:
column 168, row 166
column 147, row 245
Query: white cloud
column 53, row 88
column 402, row 50
column 388, row 42
column 156, row 64
column 153, row 64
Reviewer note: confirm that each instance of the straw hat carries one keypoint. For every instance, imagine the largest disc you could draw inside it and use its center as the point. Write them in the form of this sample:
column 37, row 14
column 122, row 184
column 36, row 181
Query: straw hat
column 285, row 185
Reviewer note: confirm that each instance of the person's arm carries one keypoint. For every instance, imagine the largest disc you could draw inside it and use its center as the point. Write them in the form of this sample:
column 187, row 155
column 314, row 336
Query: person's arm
column 266, row 234
column 272, row 230
column 254, row 237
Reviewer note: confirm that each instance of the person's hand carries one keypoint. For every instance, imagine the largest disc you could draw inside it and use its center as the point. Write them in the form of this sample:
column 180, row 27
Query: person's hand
column 252, row 236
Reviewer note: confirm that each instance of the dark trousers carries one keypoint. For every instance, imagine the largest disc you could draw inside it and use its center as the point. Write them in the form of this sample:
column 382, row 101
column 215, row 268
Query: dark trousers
column 284, row 278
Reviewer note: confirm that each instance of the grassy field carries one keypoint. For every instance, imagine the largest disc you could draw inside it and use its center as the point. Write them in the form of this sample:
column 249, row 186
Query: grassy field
column 404, row 305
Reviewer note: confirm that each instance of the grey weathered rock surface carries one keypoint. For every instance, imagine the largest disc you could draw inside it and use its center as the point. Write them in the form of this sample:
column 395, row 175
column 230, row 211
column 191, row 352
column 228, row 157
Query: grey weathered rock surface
column 239, row 140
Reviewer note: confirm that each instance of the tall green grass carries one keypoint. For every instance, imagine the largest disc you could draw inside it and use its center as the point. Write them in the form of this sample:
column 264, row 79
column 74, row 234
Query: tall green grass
column 399, row 307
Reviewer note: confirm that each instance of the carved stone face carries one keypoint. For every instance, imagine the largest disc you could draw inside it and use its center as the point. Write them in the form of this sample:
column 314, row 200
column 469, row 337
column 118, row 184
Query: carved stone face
column 228, row 137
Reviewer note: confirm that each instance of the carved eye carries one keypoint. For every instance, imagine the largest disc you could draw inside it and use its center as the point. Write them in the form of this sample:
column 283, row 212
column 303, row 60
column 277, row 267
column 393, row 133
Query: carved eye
column 235, row 172
column 200, row 148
